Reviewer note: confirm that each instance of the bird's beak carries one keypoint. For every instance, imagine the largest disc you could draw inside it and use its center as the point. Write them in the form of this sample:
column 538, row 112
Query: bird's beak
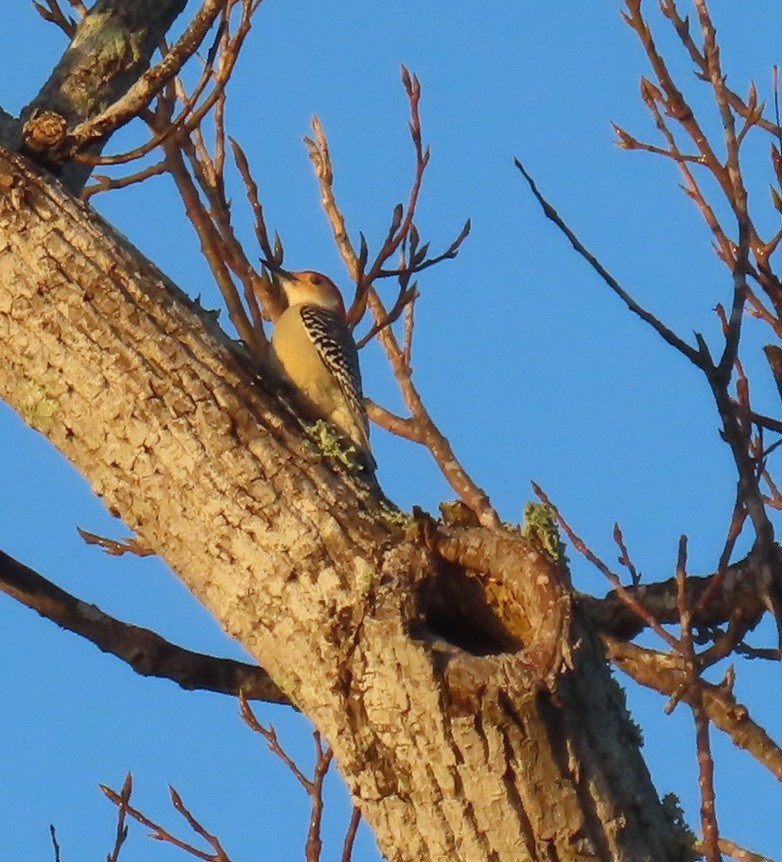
column 279, row 279
column 277, row 273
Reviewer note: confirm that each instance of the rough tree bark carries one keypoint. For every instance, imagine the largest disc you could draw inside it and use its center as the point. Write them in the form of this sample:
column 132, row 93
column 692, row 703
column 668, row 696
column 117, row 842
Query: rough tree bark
column 306, row 568
column 469, row 707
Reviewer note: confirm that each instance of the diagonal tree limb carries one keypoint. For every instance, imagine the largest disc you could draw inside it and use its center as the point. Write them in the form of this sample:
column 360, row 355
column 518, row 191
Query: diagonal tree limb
column 144, row 650
column 146, row 86
column 112, row 48
column 742, row 596
column 695, row 356
column 735, row 851
column 268, row 537
column 666, row 675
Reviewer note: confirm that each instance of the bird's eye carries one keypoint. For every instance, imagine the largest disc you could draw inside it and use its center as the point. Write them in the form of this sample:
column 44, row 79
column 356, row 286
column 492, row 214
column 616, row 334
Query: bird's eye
column 314, row 278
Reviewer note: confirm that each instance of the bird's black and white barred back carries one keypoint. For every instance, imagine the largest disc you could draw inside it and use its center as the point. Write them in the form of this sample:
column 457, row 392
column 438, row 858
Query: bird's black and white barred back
column 334, row 342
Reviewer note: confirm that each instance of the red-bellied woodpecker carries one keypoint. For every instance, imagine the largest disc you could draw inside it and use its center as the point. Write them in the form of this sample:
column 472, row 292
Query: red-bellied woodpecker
column 312, row 347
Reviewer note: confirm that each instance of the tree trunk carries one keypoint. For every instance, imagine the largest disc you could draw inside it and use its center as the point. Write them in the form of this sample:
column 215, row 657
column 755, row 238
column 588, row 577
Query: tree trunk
column 456, row 742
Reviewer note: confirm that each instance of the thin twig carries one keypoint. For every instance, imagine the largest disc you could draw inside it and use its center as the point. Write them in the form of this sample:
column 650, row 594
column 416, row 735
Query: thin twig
column 668, row 335
column 313, row 786
column 624, row 556
column 122, row 828
column 627, row 596
column 116, row 547
column 55, row 844
column 270, row 735
column 212, row 247
column 160, row 833
column 350, row 835
column 104, row 183
column 705, row 762
column 314, row 842
column 737, row 519
column 652, row 97
column 54, row 15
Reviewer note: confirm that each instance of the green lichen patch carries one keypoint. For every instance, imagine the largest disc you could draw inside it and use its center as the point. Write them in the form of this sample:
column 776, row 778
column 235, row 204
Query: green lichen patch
column 540, row 527
column 332, row 445
column 684, row 849
column 35, row 406
column 394, row 516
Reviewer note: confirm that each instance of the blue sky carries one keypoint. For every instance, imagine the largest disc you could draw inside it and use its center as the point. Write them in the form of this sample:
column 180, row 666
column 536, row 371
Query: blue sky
column 527, row 362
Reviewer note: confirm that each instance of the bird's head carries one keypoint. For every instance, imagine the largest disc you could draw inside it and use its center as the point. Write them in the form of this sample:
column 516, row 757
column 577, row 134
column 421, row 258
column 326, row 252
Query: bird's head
column 309, row 288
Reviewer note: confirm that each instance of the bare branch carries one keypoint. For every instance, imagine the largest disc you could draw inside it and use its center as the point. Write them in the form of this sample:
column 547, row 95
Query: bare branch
column 668, row 335
column 173, row 125
column 736, row 192
column 55, row 844
column 675, row 104
column 122, row 828
column 653, row 98
column 737, row 852
column 318, row 150
column 146, row 652
column 103, row 183
column 742, row 108
column 350, row 835
column 147, row 86
column 159, row 833
column 740, row 596
column 219, row 854
column 626, row 594
column 312, row 786
column 212, row 247
column 54, row 15
column 665, row 674
column 116, row 547
column 399, row 425
column 420, row 426
column 323, row 759
column 708, row 810
column 270, row 735
column 268, row 297
column 624, row 557
column 402, row 223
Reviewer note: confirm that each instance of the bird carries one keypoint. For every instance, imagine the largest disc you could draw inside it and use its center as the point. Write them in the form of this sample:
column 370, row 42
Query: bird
column 313, row 349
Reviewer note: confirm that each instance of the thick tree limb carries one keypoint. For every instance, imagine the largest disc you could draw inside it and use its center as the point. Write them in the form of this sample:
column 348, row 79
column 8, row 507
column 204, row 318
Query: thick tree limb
column 301, row 563
column 147, row 85
column 146, row 652
column 112, row 48
column 666, row 675
column 743, row 596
